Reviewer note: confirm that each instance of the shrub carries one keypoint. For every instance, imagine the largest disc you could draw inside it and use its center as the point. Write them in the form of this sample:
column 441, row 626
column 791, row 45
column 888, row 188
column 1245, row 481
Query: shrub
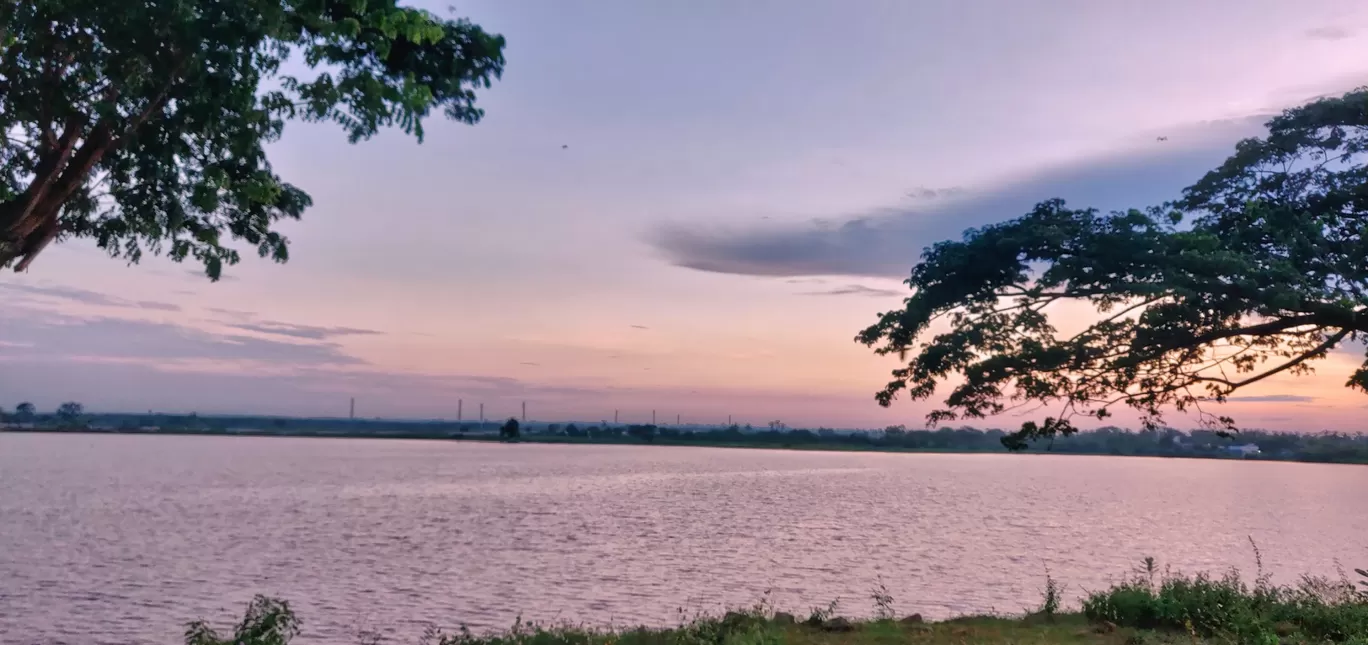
column 267, row 622
column 1318, row 610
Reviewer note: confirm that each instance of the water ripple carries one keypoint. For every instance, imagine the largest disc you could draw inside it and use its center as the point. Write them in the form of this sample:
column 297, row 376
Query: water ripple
column 123, row 539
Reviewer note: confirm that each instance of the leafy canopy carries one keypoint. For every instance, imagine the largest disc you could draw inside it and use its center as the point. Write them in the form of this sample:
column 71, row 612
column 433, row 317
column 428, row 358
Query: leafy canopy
column 510, row 429
column 142, row 125
column 1260, row 269
column 70, row 412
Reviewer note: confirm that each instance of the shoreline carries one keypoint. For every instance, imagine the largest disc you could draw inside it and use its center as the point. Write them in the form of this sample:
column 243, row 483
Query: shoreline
column 663, row 442
column 1152, row 607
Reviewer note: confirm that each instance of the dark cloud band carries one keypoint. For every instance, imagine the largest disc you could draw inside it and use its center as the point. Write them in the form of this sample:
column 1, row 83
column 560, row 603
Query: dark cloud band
column 889, row 242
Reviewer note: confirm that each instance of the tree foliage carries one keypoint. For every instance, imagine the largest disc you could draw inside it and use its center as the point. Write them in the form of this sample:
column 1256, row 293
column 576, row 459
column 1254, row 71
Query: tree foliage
column 1259, row 269
column 25, row 412
column 510, row 429
column 646, row 432
column 143, row 125
column 69, row 413
column 267, row 622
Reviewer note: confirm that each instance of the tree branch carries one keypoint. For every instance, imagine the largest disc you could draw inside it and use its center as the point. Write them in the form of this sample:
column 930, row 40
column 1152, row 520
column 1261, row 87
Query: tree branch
column 49, row 169
column 156, row 103
column 1314, row 352
column 1264, row 329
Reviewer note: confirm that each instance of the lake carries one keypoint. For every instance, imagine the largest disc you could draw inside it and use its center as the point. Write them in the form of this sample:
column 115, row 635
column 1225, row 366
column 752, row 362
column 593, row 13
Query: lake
column 123, row 539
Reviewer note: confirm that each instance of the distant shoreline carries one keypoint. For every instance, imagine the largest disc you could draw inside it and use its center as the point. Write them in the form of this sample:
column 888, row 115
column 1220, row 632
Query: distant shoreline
column 490, row 437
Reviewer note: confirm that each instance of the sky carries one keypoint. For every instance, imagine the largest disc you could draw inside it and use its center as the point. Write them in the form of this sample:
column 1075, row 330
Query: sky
column 690, row 208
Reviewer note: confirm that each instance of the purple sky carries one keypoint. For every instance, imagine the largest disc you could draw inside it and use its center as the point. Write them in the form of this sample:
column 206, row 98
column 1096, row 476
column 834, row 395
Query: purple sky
column 744, row 187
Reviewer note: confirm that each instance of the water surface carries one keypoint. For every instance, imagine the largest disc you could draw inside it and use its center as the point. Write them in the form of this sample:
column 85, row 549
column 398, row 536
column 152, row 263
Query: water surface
column 123, row 539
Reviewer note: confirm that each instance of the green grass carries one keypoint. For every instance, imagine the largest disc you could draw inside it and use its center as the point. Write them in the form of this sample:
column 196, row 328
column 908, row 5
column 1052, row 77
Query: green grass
column 277, row 625
column 1151, row 608
column 1317, row 610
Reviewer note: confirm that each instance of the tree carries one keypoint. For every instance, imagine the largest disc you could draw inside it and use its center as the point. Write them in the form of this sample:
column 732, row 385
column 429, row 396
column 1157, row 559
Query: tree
column 69, row 414
column 1258, row 270
column 24, row 412
column 646, row 432
column 510, row 430
column 143, row 126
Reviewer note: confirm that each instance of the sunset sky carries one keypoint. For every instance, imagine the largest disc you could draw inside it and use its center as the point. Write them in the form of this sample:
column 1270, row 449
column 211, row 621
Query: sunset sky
column 687, row 207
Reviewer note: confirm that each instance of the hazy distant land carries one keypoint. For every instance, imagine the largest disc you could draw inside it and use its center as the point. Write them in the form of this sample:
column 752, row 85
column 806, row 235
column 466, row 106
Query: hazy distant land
column 1249, row 444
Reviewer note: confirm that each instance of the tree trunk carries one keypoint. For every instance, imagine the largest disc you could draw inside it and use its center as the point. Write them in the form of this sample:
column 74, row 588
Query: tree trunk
column 29, row 223
column 11, row 242
column 27, row 229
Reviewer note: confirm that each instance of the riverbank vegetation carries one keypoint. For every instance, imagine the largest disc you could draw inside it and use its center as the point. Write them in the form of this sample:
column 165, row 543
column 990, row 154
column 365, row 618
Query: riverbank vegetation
column 1152, row 606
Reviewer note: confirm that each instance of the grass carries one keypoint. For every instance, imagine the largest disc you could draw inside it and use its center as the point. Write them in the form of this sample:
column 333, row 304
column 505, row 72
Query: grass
column 1316, row 610
column 737, row 628
column 1152, row 607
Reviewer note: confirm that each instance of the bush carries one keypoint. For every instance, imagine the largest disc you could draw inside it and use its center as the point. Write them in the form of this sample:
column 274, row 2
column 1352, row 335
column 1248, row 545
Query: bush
column 267, row 622
column 1318, row 610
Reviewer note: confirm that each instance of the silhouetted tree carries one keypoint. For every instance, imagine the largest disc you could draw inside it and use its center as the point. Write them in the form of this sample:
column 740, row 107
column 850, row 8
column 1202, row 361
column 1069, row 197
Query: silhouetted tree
column 1258, row 270
column 25, row 412
column 645, row 432
column 69, row 414
column 510, row 429
column 143, row 126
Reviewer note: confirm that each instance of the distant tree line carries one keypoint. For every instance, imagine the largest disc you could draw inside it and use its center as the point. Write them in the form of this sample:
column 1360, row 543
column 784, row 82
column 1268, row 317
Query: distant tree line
column 1162, row 442
column 1166, row 442
column 69, row 415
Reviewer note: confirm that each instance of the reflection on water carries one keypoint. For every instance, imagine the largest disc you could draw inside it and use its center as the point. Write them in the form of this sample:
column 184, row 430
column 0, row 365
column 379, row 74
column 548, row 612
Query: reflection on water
column 123, row 539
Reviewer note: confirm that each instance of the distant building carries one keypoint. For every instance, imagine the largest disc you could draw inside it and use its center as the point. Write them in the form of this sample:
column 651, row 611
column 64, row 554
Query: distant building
column 1247, row 450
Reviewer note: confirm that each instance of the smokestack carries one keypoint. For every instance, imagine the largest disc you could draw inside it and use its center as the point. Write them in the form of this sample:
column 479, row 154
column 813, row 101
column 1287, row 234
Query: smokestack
column 352, row 413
